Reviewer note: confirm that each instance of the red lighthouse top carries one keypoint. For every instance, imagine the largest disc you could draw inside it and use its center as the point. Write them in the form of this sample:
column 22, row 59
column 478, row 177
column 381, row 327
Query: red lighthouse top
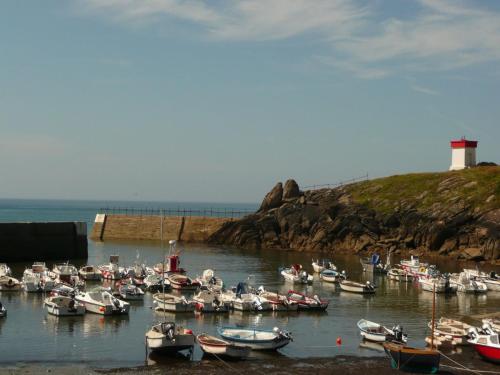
column 463, row 143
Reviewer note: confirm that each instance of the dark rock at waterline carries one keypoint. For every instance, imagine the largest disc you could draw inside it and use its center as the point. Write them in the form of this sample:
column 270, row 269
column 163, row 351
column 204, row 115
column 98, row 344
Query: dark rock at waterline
column 273, row 198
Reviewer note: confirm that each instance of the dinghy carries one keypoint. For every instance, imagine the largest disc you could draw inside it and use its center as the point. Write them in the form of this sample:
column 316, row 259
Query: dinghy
column 209, row 301
column 307, row 303
column 378, row 333
column 485, row 343
column 9, row 284
column 167, row 337
column 90, row 273
column 278, row 302
column 101, row 301
column 397, row 274
column 256, row 339
column 209, row 280
column 182, row 282
column 169, row 302
column 323, row 264
column 296, row 274
column 353, row 287
column 331, row 276
column 64, row 306
column 220, row 348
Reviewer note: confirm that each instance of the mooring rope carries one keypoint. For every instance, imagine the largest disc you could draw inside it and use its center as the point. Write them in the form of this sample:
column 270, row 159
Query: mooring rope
column 464, row 368
column 227, row 364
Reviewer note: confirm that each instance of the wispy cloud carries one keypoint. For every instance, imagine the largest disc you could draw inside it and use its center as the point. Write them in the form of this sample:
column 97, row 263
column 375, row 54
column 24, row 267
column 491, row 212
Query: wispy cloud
column 424, row 90
column 442, row 35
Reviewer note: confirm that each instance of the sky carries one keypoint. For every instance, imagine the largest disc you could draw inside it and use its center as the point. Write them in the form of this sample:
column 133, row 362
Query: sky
column 218, row 100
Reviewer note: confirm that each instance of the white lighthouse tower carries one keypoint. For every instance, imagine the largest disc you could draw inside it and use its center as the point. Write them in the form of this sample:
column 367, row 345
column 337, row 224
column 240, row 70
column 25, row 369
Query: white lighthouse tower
column 463, row 154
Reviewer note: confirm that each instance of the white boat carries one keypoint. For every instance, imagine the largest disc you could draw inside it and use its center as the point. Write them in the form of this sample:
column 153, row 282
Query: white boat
column 451, row 328
column 398, row 274
column 486, row 343
column 323, row 264
column 256, row 339
column 167, row 337
column 242, row 299
column 493, row 323
column 331, row 276
column 129, row 292
column 378, row 333
column 64, row 306
column 467, row 284
column 182, row 282
column 172, row 303
column 9, row 284
column 305, row 302
column 414, row 265
column 491, row 280
column 221, row 348
column 3, row 311
column 374, row 265
column 278, row 302
column 5, row 270
column 296, row 274
column 89, row 272
column 66, row 273
column 354, row 287
column 209, row 280
column 155, row 283
column 209, row 301
column 37, row 279
column 111, row 271
column 437, row 284
column 101, row 301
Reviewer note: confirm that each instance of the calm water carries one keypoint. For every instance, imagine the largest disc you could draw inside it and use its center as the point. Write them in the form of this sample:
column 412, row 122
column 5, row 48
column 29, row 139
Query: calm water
column 30, row 334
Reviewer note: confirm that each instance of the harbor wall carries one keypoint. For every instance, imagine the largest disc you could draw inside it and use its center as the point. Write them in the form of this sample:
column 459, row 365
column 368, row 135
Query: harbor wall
column 43, row 241
column 149, row 227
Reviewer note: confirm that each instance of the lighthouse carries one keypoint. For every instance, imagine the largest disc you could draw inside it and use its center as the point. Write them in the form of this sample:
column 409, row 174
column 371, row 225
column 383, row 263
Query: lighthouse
column 463, row 154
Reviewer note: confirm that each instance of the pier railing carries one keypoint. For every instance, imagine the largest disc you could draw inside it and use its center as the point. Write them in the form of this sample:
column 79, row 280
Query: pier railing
column 335, row 185
column 186, row 212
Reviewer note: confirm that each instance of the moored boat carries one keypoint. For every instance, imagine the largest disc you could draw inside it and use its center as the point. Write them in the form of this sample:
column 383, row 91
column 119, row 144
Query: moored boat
column 64, row 306
column 354, row 287
column 374, row 265
column 296, row 274
column 242, row 298
column 111, row 271
column 493, row 323
column 172, row 303
column 437, row 285
column 182, row 282
column 398, row 274
column 209, row 280
column 375, row 332
column 221, row 348
column 278, row 302
column 412, row 359
column 37, row 279
column 256, row 339
column 332, row 276
column 320, row 265
column 209, row 301
column 167, row 337
column 90, row 272
column 5, row 270
column 155, row 283
column 9, row 284
column 101, row 301
column 454, row 329
column 129, row 292
column 307, row 303
column 485, row 343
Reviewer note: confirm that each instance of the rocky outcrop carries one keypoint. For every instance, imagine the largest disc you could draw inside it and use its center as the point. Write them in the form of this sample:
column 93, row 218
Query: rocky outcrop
column 339, row 219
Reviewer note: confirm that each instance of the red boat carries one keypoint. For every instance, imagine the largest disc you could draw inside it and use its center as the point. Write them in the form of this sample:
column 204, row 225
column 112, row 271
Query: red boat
column 307, row 303
column 172, row 266
column 485, row 342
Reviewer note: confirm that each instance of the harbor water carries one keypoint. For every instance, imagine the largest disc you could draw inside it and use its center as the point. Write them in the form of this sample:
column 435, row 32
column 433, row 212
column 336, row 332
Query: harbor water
column 29, row 334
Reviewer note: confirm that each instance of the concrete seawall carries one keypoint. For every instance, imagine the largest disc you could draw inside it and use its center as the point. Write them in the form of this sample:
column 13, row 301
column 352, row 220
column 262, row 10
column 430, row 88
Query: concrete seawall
column 148, row 227
column 43, row 241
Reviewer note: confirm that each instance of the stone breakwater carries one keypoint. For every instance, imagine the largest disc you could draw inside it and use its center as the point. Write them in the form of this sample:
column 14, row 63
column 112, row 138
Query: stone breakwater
column 442, row 213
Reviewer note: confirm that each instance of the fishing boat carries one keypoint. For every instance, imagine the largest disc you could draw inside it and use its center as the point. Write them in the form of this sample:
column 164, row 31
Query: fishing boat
column 182, row 282
column 64, row 306
column 332, row 276
column 354, row 287
column 90, row 273
column 111, row 271
column 485, row 343
column 375, row 332
column 256, row 339
column 278, row 302
column 37, row 279
column 374, row 265
column 307, row 303
column 221, row 348
column 167, row 337
column 296, row 274
column 436, row 284
column 155, row 283
column 209, row 301
column 209, row 280
column 320, row 265
column 3, row 311
column 129, row 292
column 5, row 270
column 453, row 329
column 101, row 301
column 172, row 303
column 171, row 263
column 413, row 266
column 242, row 298
column 9, row 284
column 398, row 274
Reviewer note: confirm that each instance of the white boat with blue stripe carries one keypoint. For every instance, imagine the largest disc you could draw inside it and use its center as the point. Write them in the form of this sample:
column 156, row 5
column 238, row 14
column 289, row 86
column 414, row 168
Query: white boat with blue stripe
column 256, row 339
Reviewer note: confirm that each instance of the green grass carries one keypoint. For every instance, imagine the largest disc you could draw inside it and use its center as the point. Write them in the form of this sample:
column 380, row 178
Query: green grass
column 423, row 190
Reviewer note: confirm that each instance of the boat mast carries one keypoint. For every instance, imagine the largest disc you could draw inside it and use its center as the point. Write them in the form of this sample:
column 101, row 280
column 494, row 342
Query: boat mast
column 163, row 264
column 433, row 313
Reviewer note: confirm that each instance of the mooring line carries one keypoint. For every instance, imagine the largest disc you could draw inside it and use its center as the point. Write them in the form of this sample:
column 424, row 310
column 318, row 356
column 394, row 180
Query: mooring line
column 464, row 368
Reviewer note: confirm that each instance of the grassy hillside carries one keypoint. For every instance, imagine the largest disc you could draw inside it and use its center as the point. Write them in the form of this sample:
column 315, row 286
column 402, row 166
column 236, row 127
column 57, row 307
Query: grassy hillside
column 478, row 188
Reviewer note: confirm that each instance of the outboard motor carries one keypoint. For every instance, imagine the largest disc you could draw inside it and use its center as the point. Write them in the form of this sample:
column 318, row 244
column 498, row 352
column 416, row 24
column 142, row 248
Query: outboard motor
column 303, row 276
column 257, row 303
column 398, row 334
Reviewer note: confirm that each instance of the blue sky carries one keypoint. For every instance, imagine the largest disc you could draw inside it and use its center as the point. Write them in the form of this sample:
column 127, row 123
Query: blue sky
column 218, row 100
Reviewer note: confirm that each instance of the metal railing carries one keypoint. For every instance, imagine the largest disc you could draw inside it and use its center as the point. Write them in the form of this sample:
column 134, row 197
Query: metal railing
column 337, row 184
column 207, row 212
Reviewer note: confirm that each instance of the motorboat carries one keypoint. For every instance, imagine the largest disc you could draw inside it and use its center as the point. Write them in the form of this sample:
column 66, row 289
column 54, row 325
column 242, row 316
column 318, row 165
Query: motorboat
column 464, row 283
column 451, row 328
column 491, row 280
column 320, row 265
column 256, row 339
column 374, row 265
column 412, row 359
column 307, row 303
column 485, row 343
column 493, row 323
column 182, row 282
column 172, row 303
column 332, row 276
column 437, row 284
column 37, row 279
column 221, row 348
column 413, row 265
column 3, row 311
column 398, row 274
column 296, row 274
column 354, row 287
column 101, row 301
column 63, row 290
column 155, row 283
column 10, row 284
column 209, row 280
column 172, row 262
column 5, row 270
column 375, row 332
column 64, row 306
column 278, row 302
column 242, row 299
column 209, row 301
column 167, row 337
column 90, row 273
column 111, row 271
column 66, row 273
column 129, row 292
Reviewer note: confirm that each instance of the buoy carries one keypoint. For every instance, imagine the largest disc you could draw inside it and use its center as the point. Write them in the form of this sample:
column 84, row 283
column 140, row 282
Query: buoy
column 339, row 340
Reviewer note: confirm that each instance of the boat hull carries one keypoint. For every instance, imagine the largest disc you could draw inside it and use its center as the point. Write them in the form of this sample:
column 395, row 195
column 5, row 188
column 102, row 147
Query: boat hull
column 360, row 289
column 246, row 339
column 413, row 360
column 53, row 309
column 488, row 353
column 162, row 344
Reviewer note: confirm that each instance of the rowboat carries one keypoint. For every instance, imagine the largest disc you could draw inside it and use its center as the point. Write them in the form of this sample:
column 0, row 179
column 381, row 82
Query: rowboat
column 485, row 343
column 332, row 276
column 221, row 348
column 101, row 301
column 9, row 284
column 64, row 306
column 278, row 302
column 209, row 301
column 169, row 302
column 296, row 274
column 90, row 273
column 307, row 303
column 167, row 337
column 354, row 287
column 256, row 339
column 398, row 274
column 323, row 264
column 182, row 282
column 378, row 333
